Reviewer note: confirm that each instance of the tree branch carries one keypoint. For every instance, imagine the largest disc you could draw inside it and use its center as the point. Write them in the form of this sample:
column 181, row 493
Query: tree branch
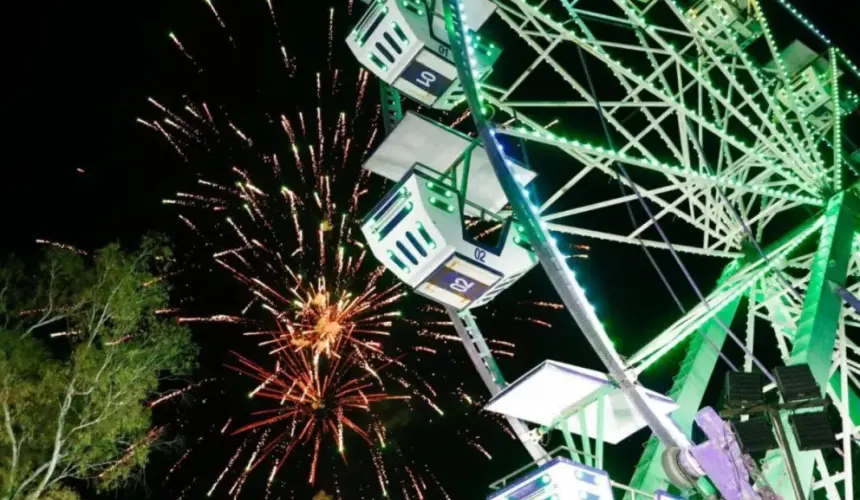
column 50, row 309
column 8, row 418
column 30, row 479
column 42, row 322
column 58, row 441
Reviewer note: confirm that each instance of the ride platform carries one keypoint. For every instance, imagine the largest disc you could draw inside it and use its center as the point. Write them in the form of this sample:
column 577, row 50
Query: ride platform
column 417, row 140
column 580, row 400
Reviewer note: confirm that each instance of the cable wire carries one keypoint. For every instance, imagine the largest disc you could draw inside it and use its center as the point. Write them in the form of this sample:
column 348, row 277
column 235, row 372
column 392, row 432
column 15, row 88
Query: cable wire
column 620, row 168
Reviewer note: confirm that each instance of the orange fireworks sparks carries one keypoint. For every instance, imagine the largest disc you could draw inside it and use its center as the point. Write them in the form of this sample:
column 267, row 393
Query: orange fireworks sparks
column 317, row 399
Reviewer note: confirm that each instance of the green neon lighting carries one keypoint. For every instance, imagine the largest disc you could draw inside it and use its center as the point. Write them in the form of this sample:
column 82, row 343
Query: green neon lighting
column 381, row 65
column 399, row 263
column 439, row 189
column 426, row 236
column 436, row 202
column 399, row 32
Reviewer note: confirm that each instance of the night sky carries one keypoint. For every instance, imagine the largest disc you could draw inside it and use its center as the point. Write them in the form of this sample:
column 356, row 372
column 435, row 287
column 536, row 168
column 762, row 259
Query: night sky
column 82, row 73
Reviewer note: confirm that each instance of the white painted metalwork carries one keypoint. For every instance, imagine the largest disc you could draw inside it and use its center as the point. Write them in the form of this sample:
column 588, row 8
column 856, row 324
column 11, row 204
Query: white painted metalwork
column 418, row 231
column 729, row 137
column 722, row 146
column 544, row 395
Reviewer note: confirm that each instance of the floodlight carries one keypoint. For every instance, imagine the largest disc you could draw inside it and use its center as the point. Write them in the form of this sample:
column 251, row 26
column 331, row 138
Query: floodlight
column 743, row 389
column 812, row 430
column 754, row 435
column 796, row 383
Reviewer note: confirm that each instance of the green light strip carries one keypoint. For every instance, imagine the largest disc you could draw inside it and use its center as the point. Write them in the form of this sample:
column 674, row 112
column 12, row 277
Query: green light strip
column 399, row 32
column 837, row 121
column 436, row 202
column 848, row 62
column 734, row 83
column 634, row 76
column 771, row 42
column 426, row 236
column 658, row 166
column 378, row 62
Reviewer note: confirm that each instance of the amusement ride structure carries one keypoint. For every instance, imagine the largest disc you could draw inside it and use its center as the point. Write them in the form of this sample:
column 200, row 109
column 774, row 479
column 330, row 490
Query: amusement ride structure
column 729, row 131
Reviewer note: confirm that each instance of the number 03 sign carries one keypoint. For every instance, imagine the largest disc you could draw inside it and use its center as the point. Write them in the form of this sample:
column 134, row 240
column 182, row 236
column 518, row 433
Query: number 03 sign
column 426, row 79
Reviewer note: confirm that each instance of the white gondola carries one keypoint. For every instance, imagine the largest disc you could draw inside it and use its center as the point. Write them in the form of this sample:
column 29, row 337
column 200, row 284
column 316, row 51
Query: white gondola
column 561, row 479
column 418, row 229
column 811, row 84
column 725, row 19
column 405, row 44
column 579, row 401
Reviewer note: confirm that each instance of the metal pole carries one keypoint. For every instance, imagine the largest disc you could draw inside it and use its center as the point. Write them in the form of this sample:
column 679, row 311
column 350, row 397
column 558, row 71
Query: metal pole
column 786, row 452
column 489, row 371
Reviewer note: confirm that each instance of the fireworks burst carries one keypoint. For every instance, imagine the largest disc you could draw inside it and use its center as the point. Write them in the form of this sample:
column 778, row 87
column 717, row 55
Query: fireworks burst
column 277, row 204
column 280, row 216
column 316, row 400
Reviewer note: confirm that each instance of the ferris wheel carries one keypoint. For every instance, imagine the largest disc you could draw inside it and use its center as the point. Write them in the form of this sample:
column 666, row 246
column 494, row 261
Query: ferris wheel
column 727, row 131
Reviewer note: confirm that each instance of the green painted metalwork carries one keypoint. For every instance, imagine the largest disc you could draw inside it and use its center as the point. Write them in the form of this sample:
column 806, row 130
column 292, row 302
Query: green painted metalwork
column 696, row 371
column 490, row 373
column 818, row 325
column 600, row 429
column 688, row 390
column 853, row 397
column 568, row 439
column 485, row 354
column 816, row 330
column 464, row 159
column 392, row 110
column 686, row 387
column 586, row 440
column 781, row 322
column 550, row 258
column 561, row 423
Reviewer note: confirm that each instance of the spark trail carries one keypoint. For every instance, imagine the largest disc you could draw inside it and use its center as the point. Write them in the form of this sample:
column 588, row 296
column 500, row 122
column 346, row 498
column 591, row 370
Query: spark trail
column 276, row 206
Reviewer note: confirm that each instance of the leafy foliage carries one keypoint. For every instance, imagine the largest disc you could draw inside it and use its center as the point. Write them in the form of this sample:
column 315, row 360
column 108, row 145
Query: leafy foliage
column 81, row 349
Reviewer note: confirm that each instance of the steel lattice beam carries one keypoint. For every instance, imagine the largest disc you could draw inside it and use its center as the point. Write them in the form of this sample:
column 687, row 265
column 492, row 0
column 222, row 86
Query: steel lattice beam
column 817, row 328
column 485, row 364
column 701, row 358
column 688, row 390
column 392, row 110
column 551, row 259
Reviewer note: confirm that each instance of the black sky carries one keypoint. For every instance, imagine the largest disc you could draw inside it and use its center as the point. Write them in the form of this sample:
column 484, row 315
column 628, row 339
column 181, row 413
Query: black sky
column 80, row 74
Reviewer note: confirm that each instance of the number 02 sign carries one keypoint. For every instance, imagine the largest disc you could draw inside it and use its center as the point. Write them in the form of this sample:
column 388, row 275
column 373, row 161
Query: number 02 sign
column 458, row 284
column 461, row 285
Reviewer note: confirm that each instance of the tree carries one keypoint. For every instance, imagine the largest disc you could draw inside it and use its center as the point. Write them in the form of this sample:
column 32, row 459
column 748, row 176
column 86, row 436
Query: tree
column 82, row 347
